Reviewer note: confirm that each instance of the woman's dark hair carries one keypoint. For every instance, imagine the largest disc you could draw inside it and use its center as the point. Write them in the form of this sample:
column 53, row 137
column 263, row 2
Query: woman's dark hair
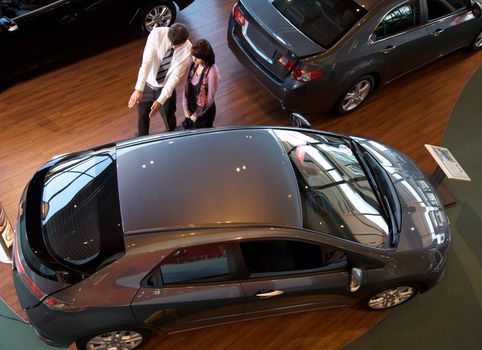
column 202, row 49
column 178, row 34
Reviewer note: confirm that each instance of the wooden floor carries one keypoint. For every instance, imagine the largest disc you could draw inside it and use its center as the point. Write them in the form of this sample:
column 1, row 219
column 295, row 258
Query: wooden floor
column 85, row 104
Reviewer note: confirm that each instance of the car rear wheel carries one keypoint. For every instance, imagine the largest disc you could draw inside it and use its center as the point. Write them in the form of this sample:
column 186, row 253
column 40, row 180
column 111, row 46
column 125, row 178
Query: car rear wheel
column 477, row 42
column 355, row 95
column 392, row 297
column 122, row 339
column 157, row 14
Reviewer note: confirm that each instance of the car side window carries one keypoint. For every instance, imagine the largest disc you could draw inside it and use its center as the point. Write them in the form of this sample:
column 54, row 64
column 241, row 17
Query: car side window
column 401, row 19
column 206, row 263
column 288, row 256
column 441, row 8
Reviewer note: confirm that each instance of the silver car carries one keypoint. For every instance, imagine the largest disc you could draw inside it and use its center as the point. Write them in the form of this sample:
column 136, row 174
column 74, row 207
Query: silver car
column 189, row 229
column 317, row 55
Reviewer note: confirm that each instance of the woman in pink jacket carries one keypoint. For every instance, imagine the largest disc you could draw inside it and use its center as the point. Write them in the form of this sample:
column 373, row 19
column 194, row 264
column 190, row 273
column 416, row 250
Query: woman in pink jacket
column 201, row 85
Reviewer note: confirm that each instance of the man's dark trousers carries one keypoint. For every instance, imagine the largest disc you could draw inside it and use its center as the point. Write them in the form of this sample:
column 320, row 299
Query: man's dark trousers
column 168, row 110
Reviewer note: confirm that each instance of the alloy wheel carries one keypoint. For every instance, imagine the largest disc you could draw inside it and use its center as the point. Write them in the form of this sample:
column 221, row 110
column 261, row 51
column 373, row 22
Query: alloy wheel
column 115, row 340
column 391, row 297
column 158, row 16
column 356, row 95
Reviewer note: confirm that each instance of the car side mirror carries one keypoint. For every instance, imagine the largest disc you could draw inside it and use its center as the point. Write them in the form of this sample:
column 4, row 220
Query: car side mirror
column 298, row 121
column 7, row 25
column 356, row 279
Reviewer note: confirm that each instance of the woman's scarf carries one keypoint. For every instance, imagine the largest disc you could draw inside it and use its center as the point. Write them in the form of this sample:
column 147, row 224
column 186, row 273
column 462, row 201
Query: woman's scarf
column 202, row 97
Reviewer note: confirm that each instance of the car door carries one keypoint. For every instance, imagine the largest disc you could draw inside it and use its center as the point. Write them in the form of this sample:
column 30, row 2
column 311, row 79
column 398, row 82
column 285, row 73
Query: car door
column 285, row 276
column 99, row 20
column 451, row 24
column 397, row 38
column 193, row 287
column 33, row 36
column 57, row 29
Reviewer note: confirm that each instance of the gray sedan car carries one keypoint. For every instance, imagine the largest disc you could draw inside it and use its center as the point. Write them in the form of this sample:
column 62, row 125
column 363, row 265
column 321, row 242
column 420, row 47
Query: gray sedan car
column 317, row 55
column 184, row 230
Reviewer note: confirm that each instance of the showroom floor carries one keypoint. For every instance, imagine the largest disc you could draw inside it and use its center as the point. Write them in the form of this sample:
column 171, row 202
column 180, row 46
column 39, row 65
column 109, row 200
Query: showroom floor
column 85, row 104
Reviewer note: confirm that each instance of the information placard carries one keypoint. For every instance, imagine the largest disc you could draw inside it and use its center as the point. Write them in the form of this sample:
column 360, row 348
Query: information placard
column 447, row 162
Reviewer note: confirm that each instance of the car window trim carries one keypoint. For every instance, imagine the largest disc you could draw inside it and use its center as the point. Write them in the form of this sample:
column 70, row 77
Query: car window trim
column 41, row 9
column 420, row 25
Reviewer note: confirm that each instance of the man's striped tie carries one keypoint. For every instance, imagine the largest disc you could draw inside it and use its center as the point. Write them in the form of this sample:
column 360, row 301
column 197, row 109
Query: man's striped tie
column 164, row 66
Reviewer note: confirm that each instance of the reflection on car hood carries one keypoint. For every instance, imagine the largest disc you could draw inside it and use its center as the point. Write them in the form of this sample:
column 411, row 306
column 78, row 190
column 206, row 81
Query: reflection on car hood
column 424, row 222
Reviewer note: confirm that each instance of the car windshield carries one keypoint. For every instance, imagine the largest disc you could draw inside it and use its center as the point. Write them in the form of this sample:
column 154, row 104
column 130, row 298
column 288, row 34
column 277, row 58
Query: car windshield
column 336, row 194
column 324, row 21
column 80, row 212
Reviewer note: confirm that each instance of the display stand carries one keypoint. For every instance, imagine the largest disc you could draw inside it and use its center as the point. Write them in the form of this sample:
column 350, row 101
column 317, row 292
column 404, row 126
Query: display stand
column 447, row 167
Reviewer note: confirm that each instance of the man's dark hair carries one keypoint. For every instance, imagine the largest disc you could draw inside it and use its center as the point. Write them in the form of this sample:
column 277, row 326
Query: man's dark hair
column 178, row 34
column 203, row 50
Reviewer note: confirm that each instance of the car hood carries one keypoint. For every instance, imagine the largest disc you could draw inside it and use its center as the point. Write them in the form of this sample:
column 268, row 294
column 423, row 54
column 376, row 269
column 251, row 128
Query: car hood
column 266, row 15
column 424, row 224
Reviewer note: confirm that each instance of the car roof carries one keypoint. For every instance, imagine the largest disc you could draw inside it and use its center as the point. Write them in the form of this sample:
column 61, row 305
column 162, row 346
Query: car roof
column 207, row 179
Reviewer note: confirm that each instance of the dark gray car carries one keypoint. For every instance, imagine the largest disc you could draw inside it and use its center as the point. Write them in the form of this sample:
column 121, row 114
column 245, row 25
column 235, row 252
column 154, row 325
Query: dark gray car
column 184, row 230
column 317, row 55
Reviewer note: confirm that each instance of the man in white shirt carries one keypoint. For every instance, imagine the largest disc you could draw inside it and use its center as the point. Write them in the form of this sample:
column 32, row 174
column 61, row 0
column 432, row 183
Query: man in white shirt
column 166, row 58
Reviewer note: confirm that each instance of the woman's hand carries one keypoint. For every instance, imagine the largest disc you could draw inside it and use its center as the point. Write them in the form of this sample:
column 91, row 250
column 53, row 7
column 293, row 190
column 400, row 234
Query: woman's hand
column 193, row 118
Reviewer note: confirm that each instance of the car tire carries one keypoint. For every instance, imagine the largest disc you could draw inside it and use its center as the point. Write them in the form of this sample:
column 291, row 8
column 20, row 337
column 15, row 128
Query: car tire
column 391, row 297
column 127, row 339
column 355, row 95
column 157, row 14
column 476, row 44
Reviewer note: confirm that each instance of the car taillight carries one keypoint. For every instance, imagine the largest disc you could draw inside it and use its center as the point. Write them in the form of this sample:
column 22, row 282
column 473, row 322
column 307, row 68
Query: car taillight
column 238, row 15
column 34, row 289
column 60, row 305
column 297, row 73
column 37, row 292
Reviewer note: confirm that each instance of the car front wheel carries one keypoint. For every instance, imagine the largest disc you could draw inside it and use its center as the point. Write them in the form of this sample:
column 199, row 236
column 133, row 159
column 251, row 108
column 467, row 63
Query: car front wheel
column 157, row 14
column 392, row 297
column 355, row 95
column 114, row 340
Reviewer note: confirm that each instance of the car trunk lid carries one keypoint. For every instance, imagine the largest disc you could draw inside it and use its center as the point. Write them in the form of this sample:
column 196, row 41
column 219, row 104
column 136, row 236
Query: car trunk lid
column 69, row 224
column 267, row 36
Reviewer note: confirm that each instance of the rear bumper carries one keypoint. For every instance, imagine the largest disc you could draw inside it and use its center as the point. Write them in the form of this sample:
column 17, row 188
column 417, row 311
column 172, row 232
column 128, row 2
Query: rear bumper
column 317, row 96
column 61, row 328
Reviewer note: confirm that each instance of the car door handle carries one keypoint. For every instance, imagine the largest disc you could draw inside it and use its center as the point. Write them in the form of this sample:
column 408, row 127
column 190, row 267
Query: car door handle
column 437, row 32
column 68, row 19
column 265, row 294
column 388, row 49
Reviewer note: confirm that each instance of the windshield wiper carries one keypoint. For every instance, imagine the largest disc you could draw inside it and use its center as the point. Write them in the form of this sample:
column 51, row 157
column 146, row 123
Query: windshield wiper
column 393, row 227
column 366, row 160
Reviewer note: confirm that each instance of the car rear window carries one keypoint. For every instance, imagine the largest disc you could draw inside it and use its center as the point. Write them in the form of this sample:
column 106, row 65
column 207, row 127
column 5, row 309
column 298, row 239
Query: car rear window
column 324, row 21
column 80, row 213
